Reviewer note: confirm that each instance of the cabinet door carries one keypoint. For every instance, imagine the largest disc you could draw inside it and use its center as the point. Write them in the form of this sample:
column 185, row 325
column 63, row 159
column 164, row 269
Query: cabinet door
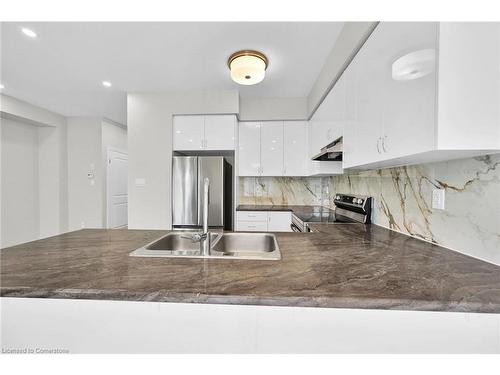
column 219, row 132
column 366, row 81
column 279, row 222
column 188, row 132
column 408, row 107
column 249, row 148
column 295, row 151
column 271, row 142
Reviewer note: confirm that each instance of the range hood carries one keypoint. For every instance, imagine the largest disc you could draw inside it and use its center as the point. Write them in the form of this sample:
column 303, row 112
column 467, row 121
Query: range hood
column 331, row 152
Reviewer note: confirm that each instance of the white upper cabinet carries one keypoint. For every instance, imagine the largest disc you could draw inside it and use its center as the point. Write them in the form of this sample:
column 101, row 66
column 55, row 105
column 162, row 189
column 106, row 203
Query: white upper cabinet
column 421, row 92
column 204, row 132
column 189, row 133
column 393, row 111
column 271, row 148
column 249, row 149
column 220, row 132
column 295, row 148
column 469, row 86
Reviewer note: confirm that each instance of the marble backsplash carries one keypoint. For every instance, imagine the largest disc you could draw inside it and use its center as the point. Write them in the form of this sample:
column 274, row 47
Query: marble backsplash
column 470, row 222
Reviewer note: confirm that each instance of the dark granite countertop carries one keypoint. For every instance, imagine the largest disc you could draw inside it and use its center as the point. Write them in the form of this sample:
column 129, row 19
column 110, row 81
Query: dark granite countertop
column 260, row 207
column 345, row 266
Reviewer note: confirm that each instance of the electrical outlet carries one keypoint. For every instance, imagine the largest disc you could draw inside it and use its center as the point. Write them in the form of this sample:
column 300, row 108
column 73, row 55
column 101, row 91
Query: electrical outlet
column 438, row 199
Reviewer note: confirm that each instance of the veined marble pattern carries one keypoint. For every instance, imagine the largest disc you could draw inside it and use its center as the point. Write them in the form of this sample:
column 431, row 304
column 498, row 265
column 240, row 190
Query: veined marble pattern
column 470, row 222
column 284, row 190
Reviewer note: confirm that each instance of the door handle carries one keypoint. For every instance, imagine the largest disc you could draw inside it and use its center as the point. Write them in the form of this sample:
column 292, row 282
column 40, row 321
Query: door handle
column 383, row 143
column 378, row 144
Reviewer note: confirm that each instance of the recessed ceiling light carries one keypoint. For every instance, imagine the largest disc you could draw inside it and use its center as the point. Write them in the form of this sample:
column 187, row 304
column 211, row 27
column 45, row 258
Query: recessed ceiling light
column 1, row 86
column 106, row 83
column 247, row 67
column 29, row 32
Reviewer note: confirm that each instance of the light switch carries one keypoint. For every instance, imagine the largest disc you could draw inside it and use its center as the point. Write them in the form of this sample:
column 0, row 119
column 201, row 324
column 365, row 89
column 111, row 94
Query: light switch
column 438, row 199
column 140, row 182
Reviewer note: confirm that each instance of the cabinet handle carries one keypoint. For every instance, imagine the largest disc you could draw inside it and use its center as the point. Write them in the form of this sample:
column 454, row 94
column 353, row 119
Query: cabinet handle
column 383, row 143
column 378, row 145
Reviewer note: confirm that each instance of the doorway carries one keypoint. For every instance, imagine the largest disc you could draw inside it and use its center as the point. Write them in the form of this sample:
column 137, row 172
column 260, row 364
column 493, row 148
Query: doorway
column 117, row 191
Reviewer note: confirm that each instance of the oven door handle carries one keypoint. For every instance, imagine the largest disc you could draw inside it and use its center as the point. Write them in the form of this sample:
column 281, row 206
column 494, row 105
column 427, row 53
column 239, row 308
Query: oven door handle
column 295, row 228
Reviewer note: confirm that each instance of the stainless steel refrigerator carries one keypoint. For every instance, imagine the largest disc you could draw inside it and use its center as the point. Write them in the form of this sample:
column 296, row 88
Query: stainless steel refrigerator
column 188, row 173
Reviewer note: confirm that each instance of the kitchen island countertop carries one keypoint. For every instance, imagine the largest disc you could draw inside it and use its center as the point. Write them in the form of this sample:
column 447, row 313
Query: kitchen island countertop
column 342, row 266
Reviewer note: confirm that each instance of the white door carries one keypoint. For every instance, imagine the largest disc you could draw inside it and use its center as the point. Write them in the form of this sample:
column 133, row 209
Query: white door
column 271, row 148
column 219, row 132
column 189, row 132
column 249, row 149
column 295, row 148
column 117, row 193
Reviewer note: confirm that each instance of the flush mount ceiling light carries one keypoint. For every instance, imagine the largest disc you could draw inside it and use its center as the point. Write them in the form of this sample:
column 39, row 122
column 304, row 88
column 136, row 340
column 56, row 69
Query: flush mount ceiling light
column 1, row 86
column 414, row 65
column 247, row 67
column 106, row 83
column 28, row 32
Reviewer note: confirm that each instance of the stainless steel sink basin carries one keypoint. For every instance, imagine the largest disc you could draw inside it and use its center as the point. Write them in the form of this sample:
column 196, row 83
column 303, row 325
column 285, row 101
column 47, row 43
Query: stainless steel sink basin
column 223, row 246
column 248, row 246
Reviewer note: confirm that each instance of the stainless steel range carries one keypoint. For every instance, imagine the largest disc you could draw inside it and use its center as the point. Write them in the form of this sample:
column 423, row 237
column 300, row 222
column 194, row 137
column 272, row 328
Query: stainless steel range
column 349, row 209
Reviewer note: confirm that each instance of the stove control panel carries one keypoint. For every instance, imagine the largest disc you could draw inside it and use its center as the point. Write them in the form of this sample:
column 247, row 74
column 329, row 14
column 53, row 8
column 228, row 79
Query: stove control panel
column 350, row 199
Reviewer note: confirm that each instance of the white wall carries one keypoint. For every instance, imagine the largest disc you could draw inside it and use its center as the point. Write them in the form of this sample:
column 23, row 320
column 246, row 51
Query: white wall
column 20, row 199
column 51, row 168
column 149, row 123
column 88, row 140
column 266, row 109
column 85, row 198
column 52, row 182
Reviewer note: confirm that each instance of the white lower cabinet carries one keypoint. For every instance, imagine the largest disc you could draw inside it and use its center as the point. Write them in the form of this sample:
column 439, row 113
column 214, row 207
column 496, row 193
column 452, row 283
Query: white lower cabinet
column 92, row 326
column 263, row 221
column 279, row 221
column 252, row 226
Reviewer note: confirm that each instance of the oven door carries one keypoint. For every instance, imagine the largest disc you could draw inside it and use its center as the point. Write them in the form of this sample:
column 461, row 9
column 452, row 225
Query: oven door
column 297, row 224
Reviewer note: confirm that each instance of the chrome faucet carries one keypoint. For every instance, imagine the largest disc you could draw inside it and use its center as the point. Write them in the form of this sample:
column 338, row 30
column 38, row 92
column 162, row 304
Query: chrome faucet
column 204, row 237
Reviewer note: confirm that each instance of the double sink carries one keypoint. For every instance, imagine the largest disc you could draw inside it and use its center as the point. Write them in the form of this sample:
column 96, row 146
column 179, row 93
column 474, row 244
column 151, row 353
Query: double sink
column 256, row 246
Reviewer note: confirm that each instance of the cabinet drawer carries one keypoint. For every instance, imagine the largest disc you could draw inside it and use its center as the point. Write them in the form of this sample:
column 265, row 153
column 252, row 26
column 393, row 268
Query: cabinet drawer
column 251, row 226
column 251, row 216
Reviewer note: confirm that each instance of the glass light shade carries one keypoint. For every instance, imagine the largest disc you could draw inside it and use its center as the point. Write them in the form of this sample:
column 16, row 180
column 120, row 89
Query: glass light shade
column 414, row 65
column 247, row 70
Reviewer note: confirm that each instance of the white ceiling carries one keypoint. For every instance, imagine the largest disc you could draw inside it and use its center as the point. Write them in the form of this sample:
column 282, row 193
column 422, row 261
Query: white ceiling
column 63, row 67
